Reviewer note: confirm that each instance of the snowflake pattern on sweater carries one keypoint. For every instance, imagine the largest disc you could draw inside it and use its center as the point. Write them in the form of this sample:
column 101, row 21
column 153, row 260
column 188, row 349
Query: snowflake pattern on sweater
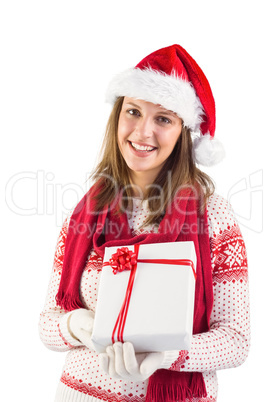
column 226, row 345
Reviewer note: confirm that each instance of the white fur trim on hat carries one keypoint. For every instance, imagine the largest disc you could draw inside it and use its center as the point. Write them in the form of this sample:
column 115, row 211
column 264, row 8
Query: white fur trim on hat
column 170, row 91
column 207, row 151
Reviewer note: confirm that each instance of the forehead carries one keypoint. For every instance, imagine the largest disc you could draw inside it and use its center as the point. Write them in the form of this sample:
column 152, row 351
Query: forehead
column 142, row 104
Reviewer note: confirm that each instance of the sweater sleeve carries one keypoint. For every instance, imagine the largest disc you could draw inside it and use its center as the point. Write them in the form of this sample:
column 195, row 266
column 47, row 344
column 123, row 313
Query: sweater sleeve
column 226, row 344
column 53, row 322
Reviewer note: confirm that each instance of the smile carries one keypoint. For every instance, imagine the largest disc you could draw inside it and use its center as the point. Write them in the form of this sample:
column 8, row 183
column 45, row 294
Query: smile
column 142, row 148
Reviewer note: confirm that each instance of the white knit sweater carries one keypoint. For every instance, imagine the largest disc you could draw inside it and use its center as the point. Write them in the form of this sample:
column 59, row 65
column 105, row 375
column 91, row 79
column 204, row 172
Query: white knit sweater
column 226, row 345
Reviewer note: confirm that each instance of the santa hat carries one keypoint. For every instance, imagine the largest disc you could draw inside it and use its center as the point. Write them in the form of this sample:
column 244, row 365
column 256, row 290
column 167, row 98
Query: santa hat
column 171, row 77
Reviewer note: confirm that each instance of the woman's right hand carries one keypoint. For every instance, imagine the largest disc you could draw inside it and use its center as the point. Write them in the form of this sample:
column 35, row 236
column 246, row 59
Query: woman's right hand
column 80, row 326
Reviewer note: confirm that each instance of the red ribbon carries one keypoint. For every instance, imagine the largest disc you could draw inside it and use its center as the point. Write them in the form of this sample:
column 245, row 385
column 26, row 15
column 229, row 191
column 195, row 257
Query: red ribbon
column 125, row 259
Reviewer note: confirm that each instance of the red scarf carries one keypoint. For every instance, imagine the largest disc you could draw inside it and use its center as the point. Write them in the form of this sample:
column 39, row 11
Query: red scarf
column 181, row 222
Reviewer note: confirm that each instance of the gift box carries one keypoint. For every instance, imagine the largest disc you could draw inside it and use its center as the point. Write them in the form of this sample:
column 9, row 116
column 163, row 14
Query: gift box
column 146, row 297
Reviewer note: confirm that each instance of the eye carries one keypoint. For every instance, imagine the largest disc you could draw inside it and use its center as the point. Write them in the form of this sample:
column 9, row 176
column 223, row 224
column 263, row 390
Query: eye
column 133, row 112
column 164, row 120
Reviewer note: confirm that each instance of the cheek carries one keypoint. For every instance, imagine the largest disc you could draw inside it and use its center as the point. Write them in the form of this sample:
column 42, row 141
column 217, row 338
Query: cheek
column 170, row 140
column 125, row 127
column 120, row 133
column 176, row 135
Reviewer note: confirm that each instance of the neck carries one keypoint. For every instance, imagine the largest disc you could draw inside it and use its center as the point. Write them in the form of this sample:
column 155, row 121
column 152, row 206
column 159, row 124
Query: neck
column 141, row 183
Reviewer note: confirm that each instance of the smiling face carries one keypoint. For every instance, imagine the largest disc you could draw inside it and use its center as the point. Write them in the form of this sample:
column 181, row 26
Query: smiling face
column 147, row 134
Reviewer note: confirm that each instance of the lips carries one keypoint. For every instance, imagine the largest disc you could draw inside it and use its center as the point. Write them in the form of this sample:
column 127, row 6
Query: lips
column 143, row 148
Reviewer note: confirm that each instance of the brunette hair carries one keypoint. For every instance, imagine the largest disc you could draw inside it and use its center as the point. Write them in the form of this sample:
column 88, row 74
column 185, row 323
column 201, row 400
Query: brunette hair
column 179, row 170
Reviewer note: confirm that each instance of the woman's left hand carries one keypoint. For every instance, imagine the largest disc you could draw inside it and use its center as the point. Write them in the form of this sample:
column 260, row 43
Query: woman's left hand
column 121, row 362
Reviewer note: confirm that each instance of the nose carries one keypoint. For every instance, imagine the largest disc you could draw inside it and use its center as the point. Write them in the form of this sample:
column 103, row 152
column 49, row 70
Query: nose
column 144, row 128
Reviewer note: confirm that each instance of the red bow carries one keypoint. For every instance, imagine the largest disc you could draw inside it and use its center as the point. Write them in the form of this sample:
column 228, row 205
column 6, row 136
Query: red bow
column 123, row 259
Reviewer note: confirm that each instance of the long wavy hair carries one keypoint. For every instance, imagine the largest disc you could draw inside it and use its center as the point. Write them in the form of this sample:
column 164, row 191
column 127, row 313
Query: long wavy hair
column 179, row 170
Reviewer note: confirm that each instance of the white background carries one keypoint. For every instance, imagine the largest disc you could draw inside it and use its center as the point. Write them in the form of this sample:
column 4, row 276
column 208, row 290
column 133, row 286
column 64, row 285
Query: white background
column 57, row 58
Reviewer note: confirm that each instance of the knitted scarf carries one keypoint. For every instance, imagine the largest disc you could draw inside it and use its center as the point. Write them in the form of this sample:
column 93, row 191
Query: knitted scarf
column 182, row 222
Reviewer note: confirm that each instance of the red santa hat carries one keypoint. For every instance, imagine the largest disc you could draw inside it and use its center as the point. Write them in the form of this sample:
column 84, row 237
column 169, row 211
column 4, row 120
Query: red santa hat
column 171, row 77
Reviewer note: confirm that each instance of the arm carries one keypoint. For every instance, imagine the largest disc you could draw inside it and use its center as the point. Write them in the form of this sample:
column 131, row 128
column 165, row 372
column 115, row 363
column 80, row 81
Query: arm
column 226, row 345
column 53, row 323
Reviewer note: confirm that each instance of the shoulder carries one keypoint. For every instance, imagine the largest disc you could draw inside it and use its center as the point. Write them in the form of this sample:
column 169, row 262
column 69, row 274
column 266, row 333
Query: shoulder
column 84, row 205
column 228, row 251
column 65, row 225
column 221, row 216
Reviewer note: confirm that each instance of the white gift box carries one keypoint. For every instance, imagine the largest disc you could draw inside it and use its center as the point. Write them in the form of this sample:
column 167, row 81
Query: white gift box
column 160, row 313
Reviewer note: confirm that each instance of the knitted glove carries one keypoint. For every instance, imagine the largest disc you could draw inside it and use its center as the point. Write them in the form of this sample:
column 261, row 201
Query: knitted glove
column 121, row 362
column 80, row 326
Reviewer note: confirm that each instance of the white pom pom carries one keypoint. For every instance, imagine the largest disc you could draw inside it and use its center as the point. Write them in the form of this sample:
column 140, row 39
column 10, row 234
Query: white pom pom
column 207, row 151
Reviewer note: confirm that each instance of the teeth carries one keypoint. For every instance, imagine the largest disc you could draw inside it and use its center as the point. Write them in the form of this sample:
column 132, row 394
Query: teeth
column 141, row 147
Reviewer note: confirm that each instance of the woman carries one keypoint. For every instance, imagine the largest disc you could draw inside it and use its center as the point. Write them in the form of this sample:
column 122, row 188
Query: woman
column 147, row 188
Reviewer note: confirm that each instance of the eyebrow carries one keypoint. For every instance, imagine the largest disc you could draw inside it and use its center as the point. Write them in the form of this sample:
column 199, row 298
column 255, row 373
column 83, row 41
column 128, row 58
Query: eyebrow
column 166, row 112
column 133, row 104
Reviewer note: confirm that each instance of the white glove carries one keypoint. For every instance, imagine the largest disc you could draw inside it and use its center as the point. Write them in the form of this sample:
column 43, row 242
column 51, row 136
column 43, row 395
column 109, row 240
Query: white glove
column 80, row 326
column 121, row 362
